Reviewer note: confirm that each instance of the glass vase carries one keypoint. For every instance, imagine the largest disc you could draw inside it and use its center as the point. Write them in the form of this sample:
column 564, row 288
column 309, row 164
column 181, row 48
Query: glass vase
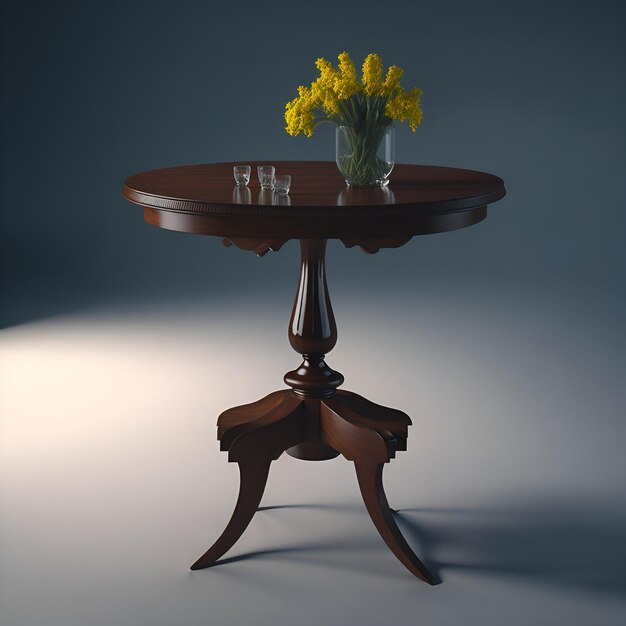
column 365, row 156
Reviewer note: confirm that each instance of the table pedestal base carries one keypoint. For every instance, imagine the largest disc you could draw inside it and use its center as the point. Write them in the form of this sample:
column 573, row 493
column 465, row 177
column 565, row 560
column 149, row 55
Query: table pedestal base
column 314, row 428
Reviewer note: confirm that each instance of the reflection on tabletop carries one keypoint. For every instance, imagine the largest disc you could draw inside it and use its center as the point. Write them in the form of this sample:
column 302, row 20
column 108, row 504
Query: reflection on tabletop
column 350, row 196
column 243, row 195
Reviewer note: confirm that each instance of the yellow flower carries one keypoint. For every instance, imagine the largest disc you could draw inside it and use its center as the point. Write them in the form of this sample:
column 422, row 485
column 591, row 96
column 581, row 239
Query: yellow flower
column 372, row 75
column 346, row 84
column 299, row 113
column 392, row 80
column 405, row 107
column 323, row 89
column 378, row 101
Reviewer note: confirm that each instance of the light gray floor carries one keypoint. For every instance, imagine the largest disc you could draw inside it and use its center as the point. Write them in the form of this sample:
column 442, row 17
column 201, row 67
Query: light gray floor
column 512, row 487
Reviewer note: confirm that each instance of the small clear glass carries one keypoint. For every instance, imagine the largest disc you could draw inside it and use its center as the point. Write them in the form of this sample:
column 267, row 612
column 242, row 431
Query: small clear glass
column 242, row 174
column 266, row 176
column 282, row 184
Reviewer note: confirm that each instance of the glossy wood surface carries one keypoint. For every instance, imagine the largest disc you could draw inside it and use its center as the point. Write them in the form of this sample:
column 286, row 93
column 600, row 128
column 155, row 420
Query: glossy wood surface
column 365, row 433
column 420, row 199
column 313, row 420
column 312, row 328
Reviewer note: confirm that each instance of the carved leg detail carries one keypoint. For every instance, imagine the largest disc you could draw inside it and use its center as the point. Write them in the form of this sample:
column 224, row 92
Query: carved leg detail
column 240, row 417
column 273, row 407
column 363, row 412
column 370, row 477
column 253, row 477
column 350, row 438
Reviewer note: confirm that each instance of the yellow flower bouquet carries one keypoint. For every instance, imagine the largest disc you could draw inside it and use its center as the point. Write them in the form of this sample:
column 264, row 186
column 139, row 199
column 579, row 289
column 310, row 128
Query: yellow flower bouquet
column 363, row 112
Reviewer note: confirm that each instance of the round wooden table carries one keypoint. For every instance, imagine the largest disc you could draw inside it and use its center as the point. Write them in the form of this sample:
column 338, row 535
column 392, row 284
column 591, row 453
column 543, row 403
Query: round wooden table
column 313, row 420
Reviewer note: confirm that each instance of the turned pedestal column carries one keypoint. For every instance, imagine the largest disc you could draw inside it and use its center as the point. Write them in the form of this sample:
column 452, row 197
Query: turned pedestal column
column 313, row 421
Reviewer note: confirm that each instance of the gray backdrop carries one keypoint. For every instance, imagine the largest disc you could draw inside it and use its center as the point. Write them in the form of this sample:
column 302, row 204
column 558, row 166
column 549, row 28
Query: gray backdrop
column 93, row 92
column 120, row 343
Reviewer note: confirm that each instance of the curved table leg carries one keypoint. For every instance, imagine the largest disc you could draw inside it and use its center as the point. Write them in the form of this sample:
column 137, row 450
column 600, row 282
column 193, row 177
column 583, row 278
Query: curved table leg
column 254, row 446
column 370, row 477
column 370, row 448
column 253, row 478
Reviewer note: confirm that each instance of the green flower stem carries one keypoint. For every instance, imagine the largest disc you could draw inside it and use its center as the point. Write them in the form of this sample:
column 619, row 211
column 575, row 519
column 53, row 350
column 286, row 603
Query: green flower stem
column 361, row 165
column 366, row 123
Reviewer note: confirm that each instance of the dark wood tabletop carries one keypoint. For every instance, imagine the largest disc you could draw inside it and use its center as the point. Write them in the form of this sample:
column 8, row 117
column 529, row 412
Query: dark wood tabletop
column 420, row 199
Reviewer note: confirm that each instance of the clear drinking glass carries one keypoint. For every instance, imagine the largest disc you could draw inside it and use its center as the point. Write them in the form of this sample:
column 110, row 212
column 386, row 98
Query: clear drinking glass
column 282, row 184
column 242, row 174
column 266, row 176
